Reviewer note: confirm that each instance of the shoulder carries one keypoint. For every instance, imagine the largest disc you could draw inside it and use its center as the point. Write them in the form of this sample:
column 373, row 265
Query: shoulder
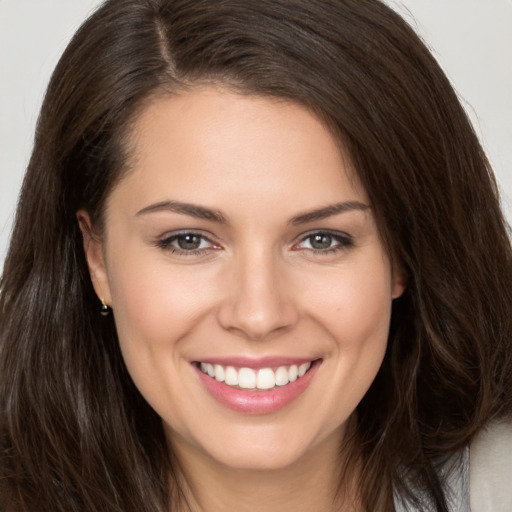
column 490, row 468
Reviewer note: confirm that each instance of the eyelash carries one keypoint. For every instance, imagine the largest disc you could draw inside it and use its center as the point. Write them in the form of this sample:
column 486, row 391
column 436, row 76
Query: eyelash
column 166, row 244
column 343, row 240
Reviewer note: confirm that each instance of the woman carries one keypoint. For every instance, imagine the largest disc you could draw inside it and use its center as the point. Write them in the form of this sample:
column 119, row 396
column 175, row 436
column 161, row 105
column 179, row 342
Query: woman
column 258, row 262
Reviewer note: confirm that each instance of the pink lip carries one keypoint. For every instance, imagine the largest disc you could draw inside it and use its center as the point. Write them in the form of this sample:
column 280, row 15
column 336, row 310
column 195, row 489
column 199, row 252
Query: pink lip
column 258, row 401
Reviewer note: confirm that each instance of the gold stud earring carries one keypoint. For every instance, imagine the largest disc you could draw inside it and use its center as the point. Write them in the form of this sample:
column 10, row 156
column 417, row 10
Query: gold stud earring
column 105, row 309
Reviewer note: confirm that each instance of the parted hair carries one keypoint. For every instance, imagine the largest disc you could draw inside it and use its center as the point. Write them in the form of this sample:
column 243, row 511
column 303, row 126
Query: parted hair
column 75, row 434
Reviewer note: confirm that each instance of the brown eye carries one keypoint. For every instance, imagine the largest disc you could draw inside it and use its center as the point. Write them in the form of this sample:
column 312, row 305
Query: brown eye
column 320, row 241
column 189, row 242
column 324, row 242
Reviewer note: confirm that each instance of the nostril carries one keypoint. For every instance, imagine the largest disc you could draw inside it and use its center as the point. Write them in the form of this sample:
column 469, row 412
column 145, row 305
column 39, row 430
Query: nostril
column 256, row 323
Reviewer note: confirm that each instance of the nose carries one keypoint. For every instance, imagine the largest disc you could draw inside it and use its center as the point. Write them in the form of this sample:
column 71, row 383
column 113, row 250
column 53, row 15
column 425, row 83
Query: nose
column 257, row 302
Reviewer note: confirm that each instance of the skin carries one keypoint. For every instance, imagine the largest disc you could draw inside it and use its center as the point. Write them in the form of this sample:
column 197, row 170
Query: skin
column 256, row 287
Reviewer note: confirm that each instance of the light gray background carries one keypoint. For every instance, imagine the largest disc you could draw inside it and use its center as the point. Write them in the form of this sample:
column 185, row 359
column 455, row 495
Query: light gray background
column 472, row 39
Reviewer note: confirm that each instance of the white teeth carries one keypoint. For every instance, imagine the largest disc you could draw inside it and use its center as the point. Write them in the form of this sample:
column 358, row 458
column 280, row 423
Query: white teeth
column 282, row 376
column 247, row 378
column 293, row 373
column 303, row 368
column 231, row 376
column 220, row 375
column 266, row 379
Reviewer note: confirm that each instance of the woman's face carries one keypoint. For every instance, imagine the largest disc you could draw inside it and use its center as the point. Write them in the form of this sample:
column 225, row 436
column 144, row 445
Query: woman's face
column 251, row 291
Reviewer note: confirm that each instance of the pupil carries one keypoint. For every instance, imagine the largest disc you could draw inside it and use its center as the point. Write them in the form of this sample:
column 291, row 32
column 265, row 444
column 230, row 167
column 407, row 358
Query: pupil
column 321, row 241
column 189, row 242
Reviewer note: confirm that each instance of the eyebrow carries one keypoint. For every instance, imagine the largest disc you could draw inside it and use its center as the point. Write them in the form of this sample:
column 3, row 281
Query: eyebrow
column 193, row 210
column 201, row 212
column 328, row 211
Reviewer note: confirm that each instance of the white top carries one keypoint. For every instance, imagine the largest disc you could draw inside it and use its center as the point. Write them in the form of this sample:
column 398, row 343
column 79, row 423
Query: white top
column 490, row 469
column 479, row 478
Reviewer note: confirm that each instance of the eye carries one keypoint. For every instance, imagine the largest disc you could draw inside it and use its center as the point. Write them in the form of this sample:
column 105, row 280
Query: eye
column 187, row 243
column 324, row 242
column 190, row 242
column 319, row 241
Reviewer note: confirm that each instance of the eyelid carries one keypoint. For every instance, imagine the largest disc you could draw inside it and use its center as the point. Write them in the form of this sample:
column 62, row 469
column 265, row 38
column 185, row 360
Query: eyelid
column 344, row 240
column 165, row 242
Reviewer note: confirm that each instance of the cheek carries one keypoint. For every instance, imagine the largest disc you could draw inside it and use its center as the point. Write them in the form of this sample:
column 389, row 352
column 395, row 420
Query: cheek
column 366, row 309
column 356, row 313
column 154, row 310
column 353, row 304
column 152, row 296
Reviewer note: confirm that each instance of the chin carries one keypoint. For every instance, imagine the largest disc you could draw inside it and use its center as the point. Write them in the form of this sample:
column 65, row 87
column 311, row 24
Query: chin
column 271, row 458
column 261, row 447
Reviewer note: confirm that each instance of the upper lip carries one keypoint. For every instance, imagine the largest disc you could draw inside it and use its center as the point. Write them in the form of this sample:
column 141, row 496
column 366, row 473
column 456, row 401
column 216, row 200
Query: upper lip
column 257, row 362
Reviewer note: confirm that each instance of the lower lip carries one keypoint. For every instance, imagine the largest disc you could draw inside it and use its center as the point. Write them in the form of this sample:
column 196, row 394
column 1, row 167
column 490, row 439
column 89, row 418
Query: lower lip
column 258, row 401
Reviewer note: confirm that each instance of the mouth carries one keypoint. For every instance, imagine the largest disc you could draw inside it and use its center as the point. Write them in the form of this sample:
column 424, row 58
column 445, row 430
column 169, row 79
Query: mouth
column 261, row 387
column 255, row 378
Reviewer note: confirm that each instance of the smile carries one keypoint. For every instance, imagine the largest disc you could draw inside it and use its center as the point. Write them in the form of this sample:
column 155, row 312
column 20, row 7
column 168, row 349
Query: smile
column 252, row 379
column 256, row 387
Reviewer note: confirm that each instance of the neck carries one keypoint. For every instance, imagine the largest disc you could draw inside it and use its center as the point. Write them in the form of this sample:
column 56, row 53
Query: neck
column 314, row 482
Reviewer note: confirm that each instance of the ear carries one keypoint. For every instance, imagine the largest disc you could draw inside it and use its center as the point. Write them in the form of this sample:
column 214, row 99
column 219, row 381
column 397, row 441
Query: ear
column 93, row 249
column 400, row 279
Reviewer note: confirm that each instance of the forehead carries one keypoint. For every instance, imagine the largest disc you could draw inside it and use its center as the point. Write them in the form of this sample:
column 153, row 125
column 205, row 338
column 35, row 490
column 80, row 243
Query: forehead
column 210, row 141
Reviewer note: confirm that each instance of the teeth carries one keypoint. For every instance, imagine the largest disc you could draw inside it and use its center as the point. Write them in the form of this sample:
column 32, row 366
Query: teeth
column 266, row 379
column 220, row 374
column 282, row 376
column 303, row 368
column 231, row 376
column 247, row 378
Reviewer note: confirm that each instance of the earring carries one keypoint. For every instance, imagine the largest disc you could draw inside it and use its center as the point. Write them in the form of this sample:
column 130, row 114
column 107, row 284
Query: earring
column 105, row 309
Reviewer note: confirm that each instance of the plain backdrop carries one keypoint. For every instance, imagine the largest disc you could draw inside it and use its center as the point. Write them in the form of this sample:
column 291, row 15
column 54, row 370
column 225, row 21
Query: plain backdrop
column 472, row 40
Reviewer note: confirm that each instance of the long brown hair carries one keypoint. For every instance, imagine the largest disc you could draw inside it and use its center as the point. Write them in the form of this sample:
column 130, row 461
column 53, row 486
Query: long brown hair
column 75, row 434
